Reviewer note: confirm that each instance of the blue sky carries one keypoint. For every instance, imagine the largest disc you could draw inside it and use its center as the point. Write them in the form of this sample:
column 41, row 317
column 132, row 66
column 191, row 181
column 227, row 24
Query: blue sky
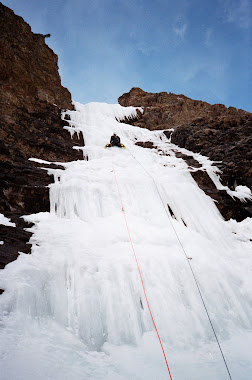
column 199, row 48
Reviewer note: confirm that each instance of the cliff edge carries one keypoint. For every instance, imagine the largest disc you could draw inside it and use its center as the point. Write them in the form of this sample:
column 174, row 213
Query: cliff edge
column 31, row 99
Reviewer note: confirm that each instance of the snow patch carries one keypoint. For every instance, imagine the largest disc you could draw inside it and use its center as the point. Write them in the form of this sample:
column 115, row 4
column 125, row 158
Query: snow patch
column 242, row 229
column 6, row 221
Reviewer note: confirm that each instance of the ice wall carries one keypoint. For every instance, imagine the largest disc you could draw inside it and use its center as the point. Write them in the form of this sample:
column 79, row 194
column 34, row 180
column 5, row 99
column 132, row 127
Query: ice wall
column 77, row 301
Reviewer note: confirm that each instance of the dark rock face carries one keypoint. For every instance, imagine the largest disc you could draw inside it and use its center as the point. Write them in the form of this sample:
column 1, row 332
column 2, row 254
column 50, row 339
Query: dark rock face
column 15, row 239
column 223, row 134
column 31, row 98
column 230, row 142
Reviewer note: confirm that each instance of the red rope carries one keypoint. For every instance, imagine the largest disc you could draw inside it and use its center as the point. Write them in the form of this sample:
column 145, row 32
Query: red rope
column 132, row 246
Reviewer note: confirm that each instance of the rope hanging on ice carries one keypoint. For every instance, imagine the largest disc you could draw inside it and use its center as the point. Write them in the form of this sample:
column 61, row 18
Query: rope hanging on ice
column 140, row 274
column 188, row 261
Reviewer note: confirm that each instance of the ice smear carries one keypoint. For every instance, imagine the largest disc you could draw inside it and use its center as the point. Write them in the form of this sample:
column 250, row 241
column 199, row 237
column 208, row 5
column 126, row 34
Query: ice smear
column 6, row 221
column 73, row 308
column 39, row 161
column 241, row 192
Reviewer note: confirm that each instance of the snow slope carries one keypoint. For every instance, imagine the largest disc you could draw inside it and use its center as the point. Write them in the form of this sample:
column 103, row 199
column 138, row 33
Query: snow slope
column 75, row 308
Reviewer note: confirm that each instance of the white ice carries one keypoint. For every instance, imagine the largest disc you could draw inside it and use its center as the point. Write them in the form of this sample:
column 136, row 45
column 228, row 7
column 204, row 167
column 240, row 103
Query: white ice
column 75, row 308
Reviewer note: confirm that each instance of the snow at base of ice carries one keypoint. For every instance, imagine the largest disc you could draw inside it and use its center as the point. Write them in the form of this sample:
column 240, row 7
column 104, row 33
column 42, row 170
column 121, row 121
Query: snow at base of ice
column 6, row 221
column 75, row 308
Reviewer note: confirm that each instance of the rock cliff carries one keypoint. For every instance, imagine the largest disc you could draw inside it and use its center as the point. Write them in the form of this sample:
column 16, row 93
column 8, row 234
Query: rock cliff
column 220, row 133
column 31, row 99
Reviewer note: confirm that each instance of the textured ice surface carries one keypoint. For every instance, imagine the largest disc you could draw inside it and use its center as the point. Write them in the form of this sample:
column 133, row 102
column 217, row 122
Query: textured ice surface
column 75, row 308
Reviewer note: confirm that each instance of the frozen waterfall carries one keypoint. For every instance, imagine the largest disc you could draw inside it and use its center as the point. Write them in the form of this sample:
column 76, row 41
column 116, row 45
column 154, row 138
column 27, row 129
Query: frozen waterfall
column 75, row 308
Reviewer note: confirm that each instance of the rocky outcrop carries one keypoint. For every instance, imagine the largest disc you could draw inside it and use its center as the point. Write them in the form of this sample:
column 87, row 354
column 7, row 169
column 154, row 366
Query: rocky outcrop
column 31, row 99
column 28, row 69
column 223, row 134
column 166, row 110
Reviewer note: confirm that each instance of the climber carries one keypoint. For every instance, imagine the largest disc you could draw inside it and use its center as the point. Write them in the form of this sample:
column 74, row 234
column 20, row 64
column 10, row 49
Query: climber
column 115, row 140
